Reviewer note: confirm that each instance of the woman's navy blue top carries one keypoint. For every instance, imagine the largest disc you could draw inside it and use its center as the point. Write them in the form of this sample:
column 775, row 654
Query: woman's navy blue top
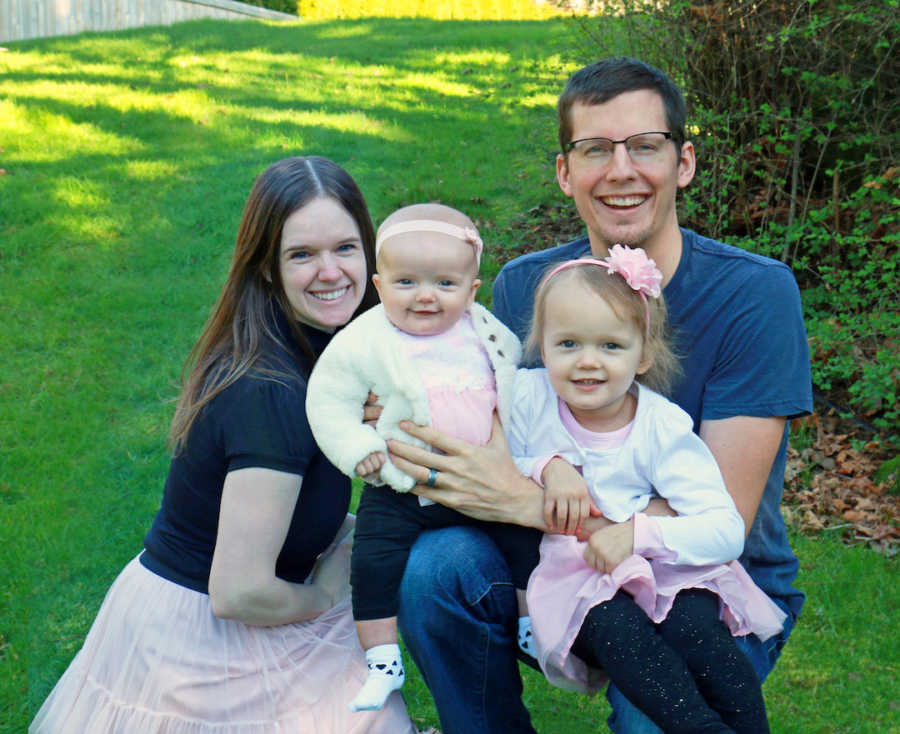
column 256, row 422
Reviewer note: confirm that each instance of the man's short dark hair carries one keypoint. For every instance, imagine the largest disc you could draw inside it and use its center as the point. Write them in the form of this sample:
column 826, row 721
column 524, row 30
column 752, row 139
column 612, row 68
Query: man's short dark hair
column 601, row 81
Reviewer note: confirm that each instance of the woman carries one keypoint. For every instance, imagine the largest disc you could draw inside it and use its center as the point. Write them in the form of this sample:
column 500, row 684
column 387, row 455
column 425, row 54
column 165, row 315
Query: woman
column 236, row 616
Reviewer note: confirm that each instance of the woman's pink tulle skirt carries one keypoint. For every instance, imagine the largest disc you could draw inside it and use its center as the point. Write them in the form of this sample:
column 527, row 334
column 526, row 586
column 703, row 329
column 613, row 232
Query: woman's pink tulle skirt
column 564, row 588
column 157, row 661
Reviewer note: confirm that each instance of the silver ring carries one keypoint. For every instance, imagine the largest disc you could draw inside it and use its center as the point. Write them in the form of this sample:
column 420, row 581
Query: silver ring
column 432, row 475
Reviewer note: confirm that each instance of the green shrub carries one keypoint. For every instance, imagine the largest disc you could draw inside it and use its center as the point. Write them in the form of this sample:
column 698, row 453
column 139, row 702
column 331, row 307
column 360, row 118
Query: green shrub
column 439, row 9
column 851, row 281
column 793, row 116
column 283, row 6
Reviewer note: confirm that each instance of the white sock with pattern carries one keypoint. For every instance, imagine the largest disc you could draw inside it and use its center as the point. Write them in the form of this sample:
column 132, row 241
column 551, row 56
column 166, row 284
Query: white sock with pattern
column 385, row 676
column 526, row 638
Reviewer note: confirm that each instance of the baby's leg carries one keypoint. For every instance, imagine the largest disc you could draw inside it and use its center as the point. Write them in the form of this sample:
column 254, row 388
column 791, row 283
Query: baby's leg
column 724, row 675
column 379, row 639
column 386, row 527
column 618, row 637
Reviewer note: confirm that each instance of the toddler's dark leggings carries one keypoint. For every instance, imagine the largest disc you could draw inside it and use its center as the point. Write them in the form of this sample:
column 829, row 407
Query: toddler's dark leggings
column 686, row 673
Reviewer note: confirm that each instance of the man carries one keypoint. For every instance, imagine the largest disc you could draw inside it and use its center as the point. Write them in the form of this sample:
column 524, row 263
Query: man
column 738, row 327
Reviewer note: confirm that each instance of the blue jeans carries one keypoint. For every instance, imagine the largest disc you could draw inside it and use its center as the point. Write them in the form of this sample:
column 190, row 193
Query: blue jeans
column 458, row 616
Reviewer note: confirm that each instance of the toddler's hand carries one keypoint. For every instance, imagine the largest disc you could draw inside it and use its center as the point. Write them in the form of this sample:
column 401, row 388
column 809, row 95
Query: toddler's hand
column 608, row 547
column 567, row 502
column 369, row 467
column 591, row 525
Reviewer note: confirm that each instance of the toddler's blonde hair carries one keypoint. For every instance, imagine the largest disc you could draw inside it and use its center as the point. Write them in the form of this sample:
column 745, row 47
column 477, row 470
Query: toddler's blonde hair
column 628, row 305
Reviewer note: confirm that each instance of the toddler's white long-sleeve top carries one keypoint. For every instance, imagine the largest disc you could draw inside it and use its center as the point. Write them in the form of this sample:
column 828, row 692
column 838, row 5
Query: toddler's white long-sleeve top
column 661, row 457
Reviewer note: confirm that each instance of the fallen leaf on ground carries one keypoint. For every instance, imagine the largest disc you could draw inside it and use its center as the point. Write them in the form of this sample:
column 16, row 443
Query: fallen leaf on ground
column 830, row 487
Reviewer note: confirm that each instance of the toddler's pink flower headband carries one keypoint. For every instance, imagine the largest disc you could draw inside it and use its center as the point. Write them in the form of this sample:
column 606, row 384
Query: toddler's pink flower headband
column 639, row 271
column 466, row 234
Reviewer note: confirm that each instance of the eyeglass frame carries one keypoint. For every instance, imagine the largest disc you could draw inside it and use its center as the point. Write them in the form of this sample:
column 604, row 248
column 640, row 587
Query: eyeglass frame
column 666, row 134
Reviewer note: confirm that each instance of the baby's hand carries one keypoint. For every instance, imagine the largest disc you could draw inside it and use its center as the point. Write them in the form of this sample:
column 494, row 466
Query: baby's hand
column 608, row 547
column 567, row 503
column 369, row 467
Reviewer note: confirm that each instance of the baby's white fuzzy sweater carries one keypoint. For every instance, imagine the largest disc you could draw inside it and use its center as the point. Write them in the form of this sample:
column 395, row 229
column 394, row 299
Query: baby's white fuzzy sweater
column 367, row 356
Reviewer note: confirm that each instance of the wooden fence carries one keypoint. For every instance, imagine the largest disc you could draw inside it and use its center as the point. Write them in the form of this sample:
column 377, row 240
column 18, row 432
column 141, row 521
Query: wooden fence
column 21, row 19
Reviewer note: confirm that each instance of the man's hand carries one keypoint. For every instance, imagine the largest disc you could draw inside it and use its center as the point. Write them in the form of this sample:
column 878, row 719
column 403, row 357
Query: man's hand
column 482, row 482
column 608, row 547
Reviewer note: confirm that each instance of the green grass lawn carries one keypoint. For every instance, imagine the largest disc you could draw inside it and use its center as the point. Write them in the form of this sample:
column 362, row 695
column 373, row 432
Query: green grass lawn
column 127, row 160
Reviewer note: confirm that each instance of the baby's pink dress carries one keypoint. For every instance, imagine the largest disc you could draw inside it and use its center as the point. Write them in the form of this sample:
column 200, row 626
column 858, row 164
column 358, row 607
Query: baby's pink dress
column 458, row 379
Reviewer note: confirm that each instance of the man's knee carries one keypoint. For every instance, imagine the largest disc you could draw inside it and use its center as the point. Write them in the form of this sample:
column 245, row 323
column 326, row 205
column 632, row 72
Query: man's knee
column 764, row 654
column 456, row 565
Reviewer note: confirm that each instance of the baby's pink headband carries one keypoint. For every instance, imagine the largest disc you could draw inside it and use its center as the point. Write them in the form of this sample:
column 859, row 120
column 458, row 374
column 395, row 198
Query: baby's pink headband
column 639, row 271
column 466, row 234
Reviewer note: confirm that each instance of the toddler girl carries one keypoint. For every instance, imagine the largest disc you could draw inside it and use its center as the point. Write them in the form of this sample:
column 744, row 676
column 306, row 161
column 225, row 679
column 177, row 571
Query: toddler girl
column 649, row 600
column 431, row 355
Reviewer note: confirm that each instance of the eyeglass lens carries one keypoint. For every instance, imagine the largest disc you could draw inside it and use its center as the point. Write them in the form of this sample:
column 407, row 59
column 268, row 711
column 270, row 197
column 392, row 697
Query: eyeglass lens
column 640, row 147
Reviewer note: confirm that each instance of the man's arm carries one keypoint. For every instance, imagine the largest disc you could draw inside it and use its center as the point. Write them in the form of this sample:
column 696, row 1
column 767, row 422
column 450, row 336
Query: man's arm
column 744, row 448
column 482, row 481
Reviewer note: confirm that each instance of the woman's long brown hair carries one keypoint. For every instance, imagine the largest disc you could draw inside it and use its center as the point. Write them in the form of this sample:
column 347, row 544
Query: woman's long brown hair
column 244, row 317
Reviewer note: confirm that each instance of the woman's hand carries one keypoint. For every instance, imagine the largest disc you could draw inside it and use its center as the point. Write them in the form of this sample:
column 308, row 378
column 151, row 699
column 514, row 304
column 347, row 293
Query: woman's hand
column 346, row 529
column 371, row 410
column 609, row 546
column 480, row 481
column 567, row 503
column 332, row 572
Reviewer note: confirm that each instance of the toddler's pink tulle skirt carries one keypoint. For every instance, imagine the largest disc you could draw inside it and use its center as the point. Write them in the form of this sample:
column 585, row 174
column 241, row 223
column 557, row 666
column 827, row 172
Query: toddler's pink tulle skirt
column 563, row 589
column 157, row 661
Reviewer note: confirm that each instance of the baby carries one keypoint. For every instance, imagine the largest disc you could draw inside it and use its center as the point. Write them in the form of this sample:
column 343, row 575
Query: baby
column 435, row 357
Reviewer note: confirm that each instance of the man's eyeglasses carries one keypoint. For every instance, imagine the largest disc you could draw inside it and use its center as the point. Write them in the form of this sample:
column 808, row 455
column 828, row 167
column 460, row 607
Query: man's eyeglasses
column 641, row 147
